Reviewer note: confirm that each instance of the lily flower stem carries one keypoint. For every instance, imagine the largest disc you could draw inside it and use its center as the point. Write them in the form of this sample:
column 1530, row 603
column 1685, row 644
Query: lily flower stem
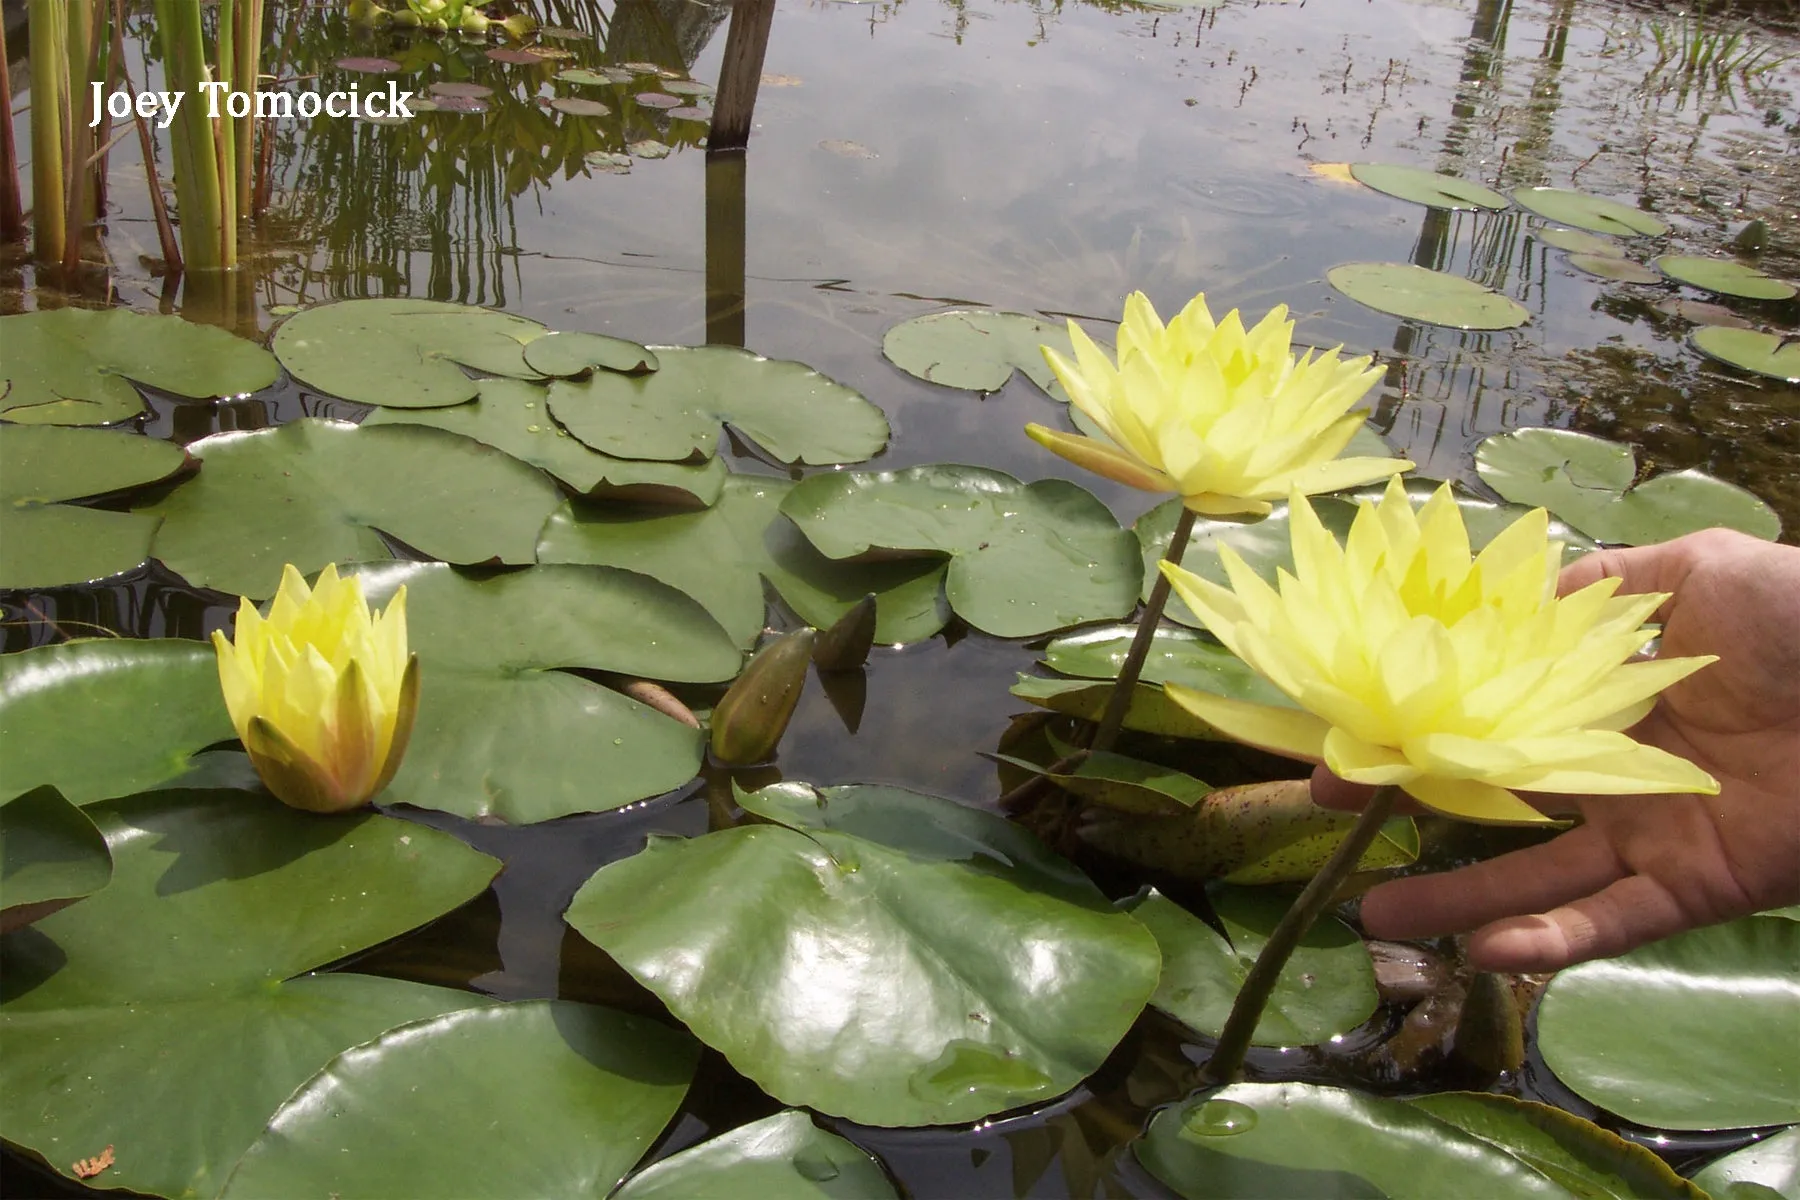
column 1227, row 1061
column 1116, row 704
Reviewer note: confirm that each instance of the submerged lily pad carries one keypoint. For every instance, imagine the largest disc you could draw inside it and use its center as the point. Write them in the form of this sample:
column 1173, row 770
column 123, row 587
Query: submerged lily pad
column 1149, row 710
column 1326, row 988
column 1588, row 482
column 1627, row 1034
column 75, row 366
column 49, row 544
column 1121, row 783
column 1426, row 187
column 168, row 982
column 1578, row 241
column 888, row 957
column 571, row 1096
column 1725, row 276
column 1024, row 558
column 1593, row 213
column 1619, row 270
column 783, row 1157
column 1772, row 1164
column 1770, row 354
column 312, row 492
column 675, row 413
column 1175, row 656
column 402, row 353
column 51, row 854
column 1420, row 294
column 977, row 349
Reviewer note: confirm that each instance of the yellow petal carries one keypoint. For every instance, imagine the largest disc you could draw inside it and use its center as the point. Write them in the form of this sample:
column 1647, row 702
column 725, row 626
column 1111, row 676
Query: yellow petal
column 1360, row 762
column 1278, row 730
column 1624, row 773
column 1471, row 800
column 1101, row 459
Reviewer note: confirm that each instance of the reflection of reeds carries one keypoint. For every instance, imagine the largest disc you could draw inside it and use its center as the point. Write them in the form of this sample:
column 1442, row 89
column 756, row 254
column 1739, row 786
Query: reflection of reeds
column 1696, row 54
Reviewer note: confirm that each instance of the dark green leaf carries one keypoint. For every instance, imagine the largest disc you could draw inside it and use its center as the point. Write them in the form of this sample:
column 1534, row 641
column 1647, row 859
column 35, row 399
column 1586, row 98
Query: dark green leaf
column 977, row 349
column 1770, row 354
column 1724, row 276
column 1765, row 1170
column 1592, row 213
column 50, row 854
column 1420, row 294
column 1426, row 187
column 783, row 1157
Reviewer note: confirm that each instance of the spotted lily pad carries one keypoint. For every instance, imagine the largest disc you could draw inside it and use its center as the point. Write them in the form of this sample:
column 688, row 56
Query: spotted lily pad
column 1724, row 276
column 1590, row 483
column 674, row 414
column 977, row 349
column 75, row 366
column 1426, row 187
column 1619, row 270
column 1771, row 354
column 49, row 544
column 403, row 353
column 1421, row 294
column 1592, row 213
column 783, row 1157
column 51, row 854
column 1578, row 241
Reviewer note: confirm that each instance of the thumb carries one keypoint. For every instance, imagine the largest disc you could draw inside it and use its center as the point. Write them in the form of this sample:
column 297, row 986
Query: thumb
column 1639, row 569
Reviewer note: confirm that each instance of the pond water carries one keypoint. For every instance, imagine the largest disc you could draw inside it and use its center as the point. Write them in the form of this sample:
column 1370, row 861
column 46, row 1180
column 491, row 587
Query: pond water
column 1043, row 157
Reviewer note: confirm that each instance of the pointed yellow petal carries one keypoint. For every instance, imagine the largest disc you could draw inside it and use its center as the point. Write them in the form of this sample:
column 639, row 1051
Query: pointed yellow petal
column 1101, row 459
column 1469, row 800
column 1277, row 730
column 1358, row 761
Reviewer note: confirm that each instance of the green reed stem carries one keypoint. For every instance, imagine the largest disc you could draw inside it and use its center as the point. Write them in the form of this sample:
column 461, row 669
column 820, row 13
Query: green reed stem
column 198, row 197
column 49, row 128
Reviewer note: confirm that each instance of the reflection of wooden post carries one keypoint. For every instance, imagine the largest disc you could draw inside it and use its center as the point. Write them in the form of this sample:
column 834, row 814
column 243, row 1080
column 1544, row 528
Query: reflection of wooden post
column 725, row 177
column 740, row 73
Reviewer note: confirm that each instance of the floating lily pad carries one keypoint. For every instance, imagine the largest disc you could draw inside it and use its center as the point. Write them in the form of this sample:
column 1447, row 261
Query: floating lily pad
column 977, row 349
column 1627, row 1035
column 74, row 366
column 783, row 1157
column 515, row 58
column 657, row 100
column 1588, row 482
column 369, row 66
column 689, row 112
column 1326, row 988
column 1764, row 1170
column 490, row 704
column 51, row 854
column 1175, row 656
column 450, row 104
column 1426, row 187
column 107, row 716
column 402, row 353
column 564, row 355
column 50, row 544
column 1149, row 710
column 608, row 162
column 1024, row 558
column 1774, row 355
column 1420, row 294
column 513, row 415
column 1593, row 213
column 582, row 77
column 1701, row 312
column 1122, row 783
column 687, row 87
column 166, row 985
column 675, row 413
column 459, row 90
column 313, row 492
column 649, row 148
column 1619, row 270
column 580, row 106
column 1578, row 241
column 1725, row 276
column 888, row 957
column 571, row 1096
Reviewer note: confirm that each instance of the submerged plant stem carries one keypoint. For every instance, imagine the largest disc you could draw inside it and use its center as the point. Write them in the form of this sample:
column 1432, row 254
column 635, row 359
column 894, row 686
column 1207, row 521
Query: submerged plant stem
column 1119, row 702
column 1227, row 1061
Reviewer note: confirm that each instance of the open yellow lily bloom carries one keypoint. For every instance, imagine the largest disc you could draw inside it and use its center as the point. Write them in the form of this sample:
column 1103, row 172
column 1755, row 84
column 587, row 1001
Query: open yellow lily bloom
column 1457, row 678
column 322, row 693
column 1228, row 420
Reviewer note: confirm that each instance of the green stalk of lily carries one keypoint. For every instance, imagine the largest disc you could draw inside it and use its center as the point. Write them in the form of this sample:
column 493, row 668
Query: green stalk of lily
column 49, row 128
column 198, row 191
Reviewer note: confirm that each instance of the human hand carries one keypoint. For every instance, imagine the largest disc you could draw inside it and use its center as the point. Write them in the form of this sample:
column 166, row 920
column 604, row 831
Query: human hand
column 1640, row 868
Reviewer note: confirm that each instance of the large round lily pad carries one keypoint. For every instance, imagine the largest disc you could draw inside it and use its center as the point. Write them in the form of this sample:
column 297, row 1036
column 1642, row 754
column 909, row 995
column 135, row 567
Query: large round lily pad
column 1421, row 294
column 152, row 1015
column 1579, row 241
column 1692, row 1032
column 74, row 366
column 1724, row 276
column 1327, row 987
column 977, row 349
column 888, row 957
column 1765, row 1170
column 1771, row 354
column 1593, row 213
column 1024, row 558
column 783, row 1157
column 1589, row 482
column 49, row 544
column 403, row 353
column 674, row 413
column 569, row 1097
column 51, row 853
column 1426, row 187
column 313, row 492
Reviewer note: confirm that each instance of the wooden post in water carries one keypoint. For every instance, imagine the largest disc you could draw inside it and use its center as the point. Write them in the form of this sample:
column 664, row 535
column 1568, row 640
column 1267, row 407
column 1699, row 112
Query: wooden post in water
column 725, row 290
column 740, row 74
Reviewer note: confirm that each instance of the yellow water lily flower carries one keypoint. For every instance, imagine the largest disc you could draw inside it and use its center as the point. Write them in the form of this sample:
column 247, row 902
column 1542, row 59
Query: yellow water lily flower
column 1228, row 420
column 1457, row 678
column 322, row 693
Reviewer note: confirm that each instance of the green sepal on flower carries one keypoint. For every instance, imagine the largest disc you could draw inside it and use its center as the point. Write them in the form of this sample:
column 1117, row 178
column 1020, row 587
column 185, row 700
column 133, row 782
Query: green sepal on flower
column 1457, row 677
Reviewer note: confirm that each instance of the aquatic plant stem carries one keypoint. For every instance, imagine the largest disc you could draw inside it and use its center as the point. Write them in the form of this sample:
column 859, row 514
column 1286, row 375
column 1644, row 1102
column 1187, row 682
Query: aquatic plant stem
column 49, row 131
column 12, row 209
column 1119, row 702
column 1227, row 1061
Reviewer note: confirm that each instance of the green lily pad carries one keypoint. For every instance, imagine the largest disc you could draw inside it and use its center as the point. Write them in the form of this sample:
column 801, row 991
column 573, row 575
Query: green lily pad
column 977, row 349
column 51, row 854
column 49, row 544
column 1326, row 988
column 1426, row 187
column 583, row 77
column 1627, row 1034
column 1765, row 1170
column 783, row 1157
column 1774, row 355
column 571, row 1096
column 675, row 412
column 1588, row 482
column 74, row 366
column 1122, row 783
column 888, row 957
column 1578, row 241
column 153, row 1015
column 107, row 717
column 1299, row 1139
column 403, row 353
column 513, row 415
column 1724, row 276
column 563, row 355
column 580, row 106
column 489, row 704
column 1619, row 270
column 1176, row 656
column 1024, row 558
column 1593, row 213
column 1420, row 294
column 1150, row 710
column 312, row 492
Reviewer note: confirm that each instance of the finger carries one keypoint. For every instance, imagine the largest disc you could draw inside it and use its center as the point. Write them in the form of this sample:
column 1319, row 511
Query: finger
column 1328, row 791
column 1620, row 917
column 1659, row 568
column 1575, row 864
